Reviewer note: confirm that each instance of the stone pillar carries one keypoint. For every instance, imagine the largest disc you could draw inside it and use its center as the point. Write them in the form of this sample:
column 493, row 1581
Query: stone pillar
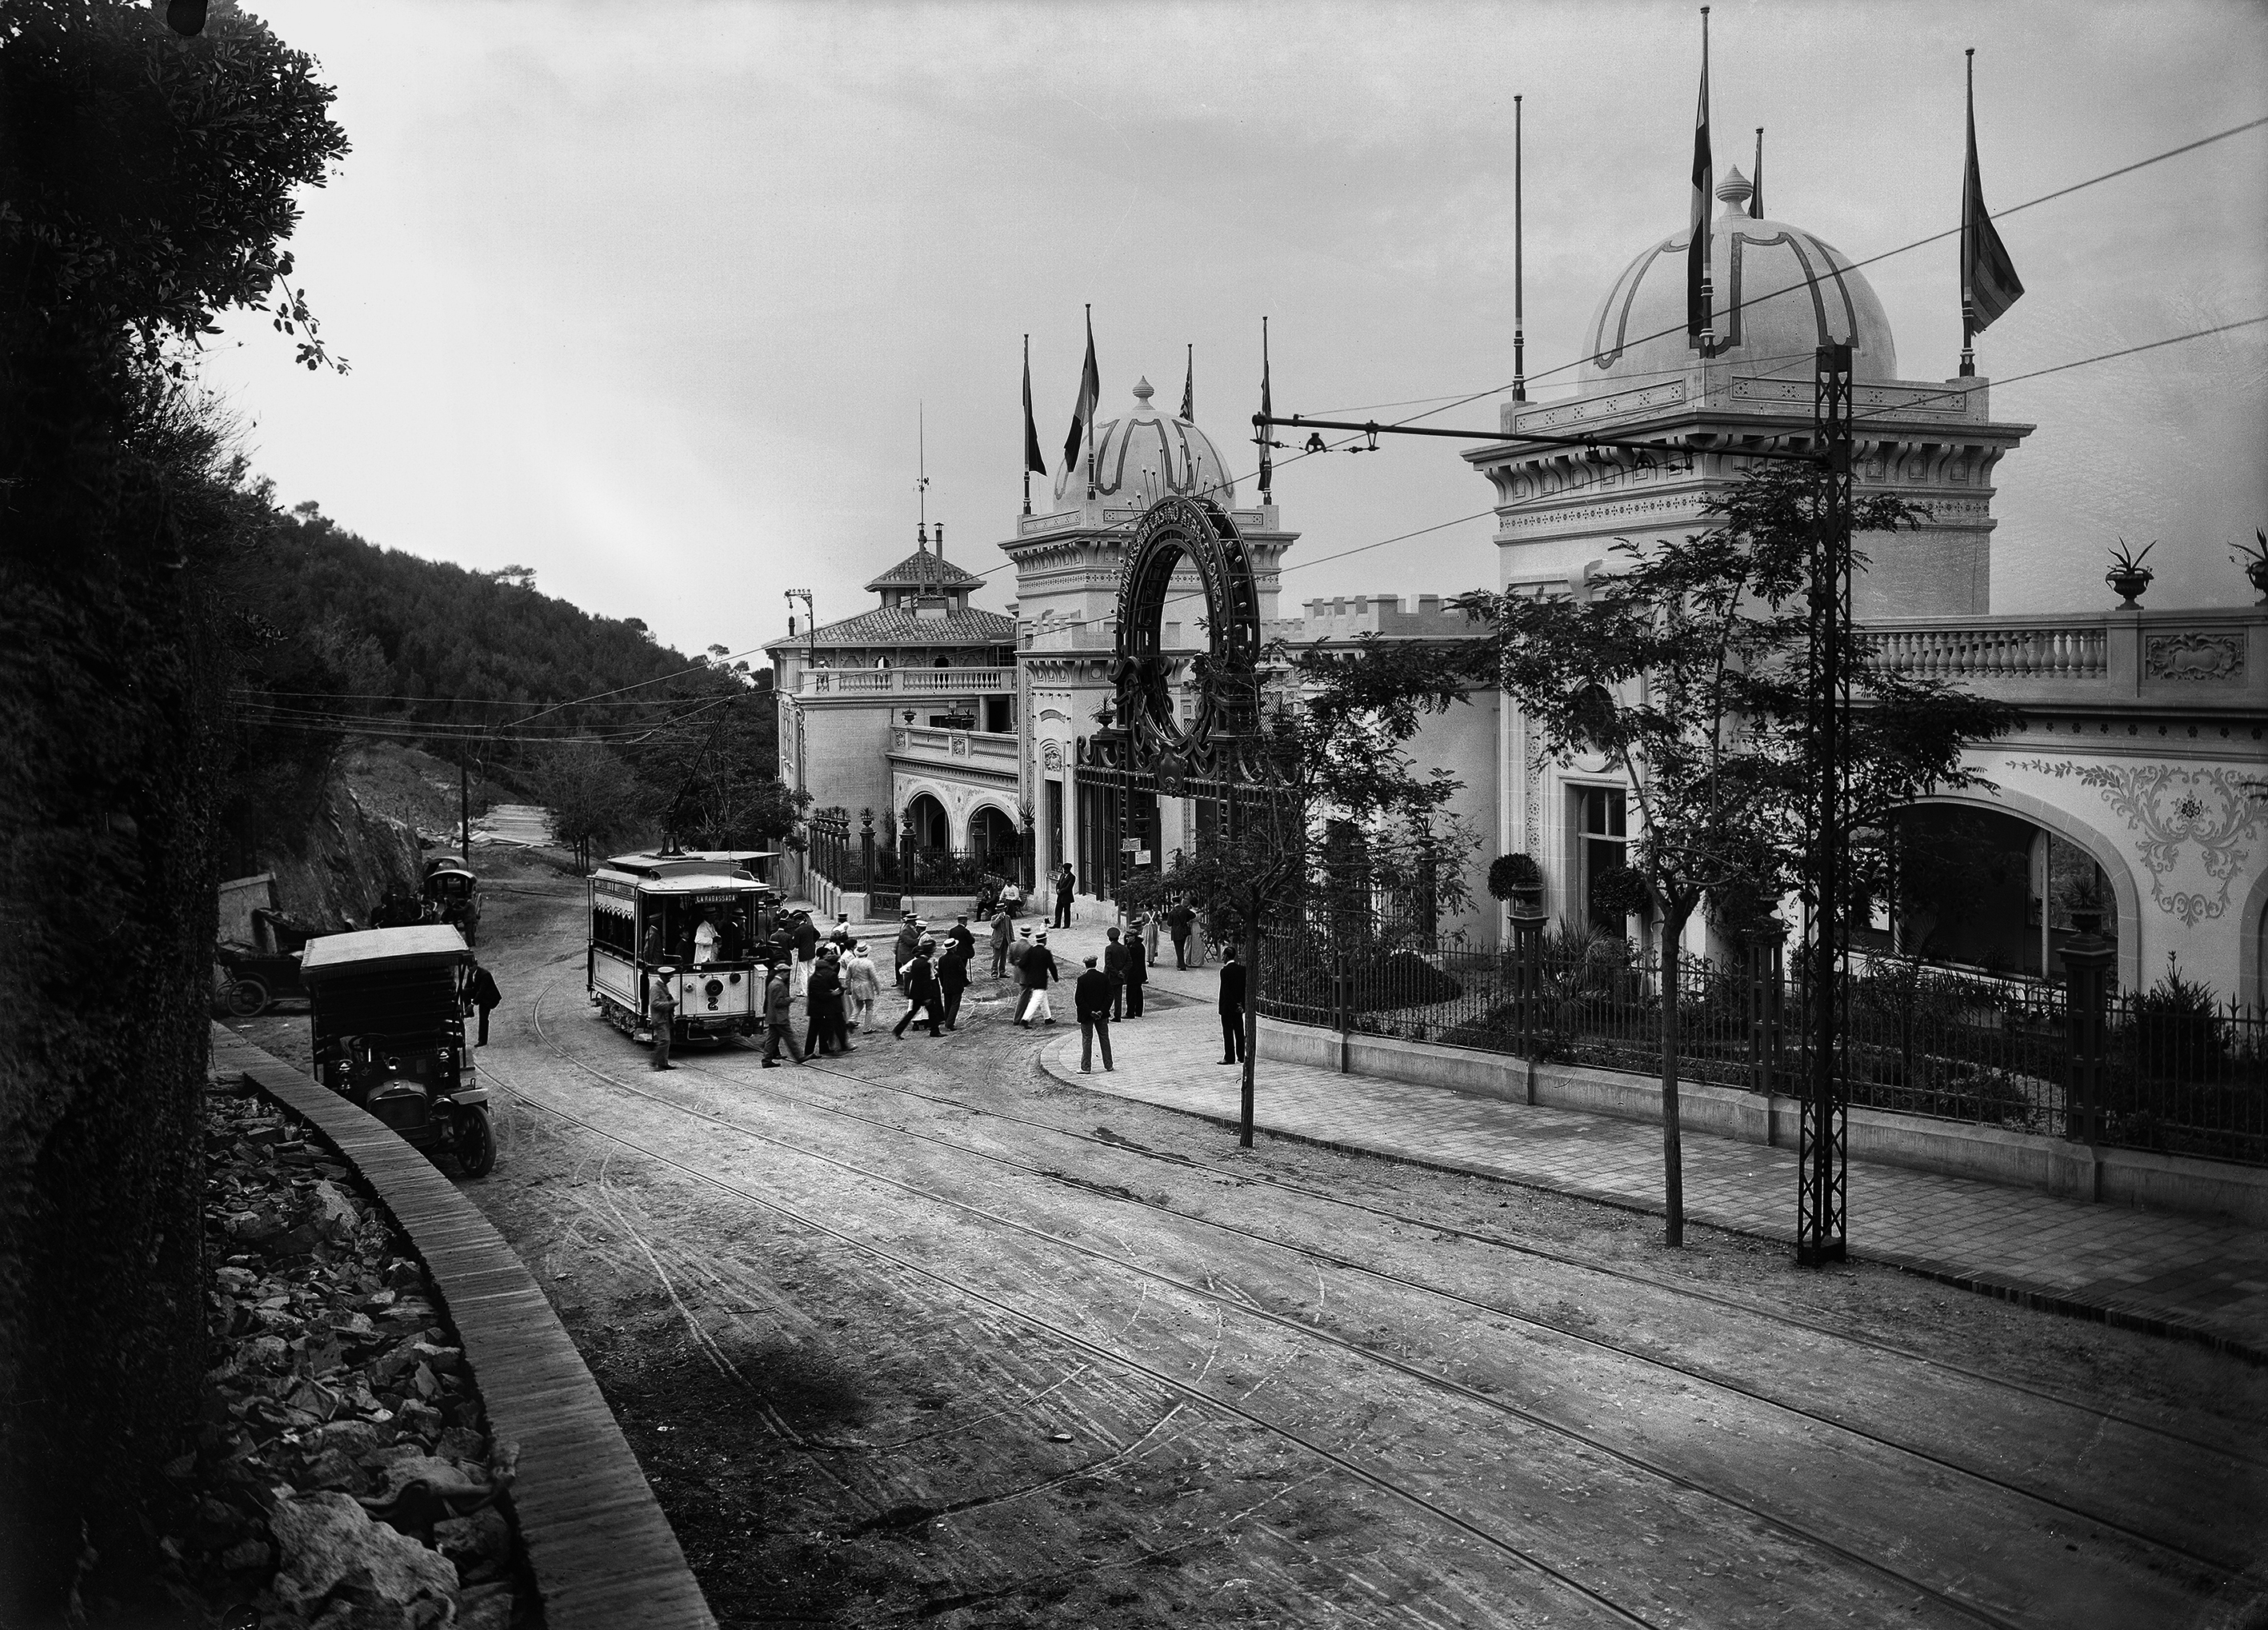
column 1528, row 921
column 2088, row 964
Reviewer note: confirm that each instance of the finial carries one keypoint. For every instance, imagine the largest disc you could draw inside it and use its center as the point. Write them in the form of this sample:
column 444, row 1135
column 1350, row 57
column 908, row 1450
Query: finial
column 1734, row 190
column 1143, row 391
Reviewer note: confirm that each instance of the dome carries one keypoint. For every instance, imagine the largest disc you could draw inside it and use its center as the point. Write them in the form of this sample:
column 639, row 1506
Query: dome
column 1147, row 456
column 1780, row 294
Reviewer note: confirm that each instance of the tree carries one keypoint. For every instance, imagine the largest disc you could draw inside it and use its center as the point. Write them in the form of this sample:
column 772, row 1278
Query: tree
column 1688, row 669
column 148, row 183
column 596, row 800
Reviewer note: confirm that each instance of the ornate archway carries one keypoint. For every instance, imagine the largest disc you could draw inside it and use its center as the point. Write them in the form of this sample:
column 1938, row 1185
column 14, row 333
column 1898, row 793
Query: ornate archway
column 1198, row 532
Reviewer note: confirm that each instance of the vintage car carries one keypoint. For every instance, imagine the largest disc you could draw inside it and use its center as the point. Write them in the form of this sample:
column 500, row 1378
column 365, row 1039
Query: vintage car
column 648, row 911
column 453, row 894
column 387, row 1011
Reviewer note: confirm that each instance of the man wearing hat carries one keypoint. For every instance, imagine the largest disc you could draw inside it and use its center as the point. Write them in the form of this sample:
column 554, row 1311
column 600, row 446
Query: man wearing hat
column 1004, row 934
column 661, row 1013
column 921, row 992
column 841, row 933
column 806, row 948
column 1038, row 970
column 1091, row 996
column 908, row 940
column 953, row 976
column 962, row 932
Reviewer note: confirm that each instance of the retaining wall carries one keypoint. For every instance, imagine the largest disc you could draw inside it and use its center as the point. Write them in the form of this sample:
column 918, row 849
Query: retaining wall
column 602, row 1554
column 2125, row 1177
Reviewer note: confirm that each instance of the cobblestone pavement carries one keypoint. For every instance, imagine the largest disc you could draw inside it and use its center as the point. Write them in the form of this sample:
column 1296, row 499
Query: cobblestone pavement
column 2152, row 1270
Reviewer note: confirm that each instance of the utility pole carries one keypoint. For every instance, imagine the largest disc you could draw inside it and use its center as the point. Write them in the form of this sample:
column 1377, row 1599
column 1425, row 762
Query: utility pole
column 1822, row 1168
column 465, row 811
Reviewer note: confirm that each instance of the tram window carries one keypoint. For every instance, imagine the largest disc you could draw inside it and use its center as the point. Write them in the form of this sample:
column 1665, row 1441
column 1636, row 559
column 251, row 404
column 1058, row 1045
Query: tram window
column 610, row 930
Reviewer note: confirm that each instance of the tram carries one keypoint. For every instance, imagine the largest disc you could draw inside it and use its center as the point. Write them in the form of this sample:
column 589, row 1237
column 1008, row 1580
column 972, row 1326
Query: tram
column 706, row 914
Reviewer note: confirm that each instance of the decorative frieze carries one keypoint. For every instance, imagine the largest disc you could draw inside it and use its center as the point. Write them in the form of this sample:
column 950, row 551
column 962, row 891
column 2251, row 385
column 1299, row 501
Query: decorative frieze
column 2194, row 657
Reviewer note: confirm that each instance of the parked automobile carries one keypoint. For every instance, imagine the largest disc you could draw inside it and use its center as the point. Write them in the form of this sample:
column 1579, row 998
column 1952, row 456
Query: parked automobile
column 388, row 1017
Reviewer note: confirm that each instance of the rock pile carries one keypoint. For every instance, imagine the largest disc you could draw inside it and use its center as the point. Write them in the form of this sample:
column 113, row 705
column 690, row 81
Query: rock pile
column 343, row 1477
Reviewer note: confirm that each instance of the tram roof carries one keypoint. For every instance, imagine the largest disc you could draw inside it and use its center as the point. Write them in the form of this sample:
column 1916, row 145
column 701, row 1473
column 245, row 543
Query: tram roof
column 368, row 950
column 677, row 862
column 684, row 883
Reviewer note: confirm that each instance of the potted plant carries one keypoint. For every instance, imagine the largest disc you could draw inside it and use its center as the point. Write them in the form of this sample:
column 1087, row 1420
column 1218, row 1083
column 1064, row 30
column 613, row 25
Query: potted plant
column 2254, row 558
column 2128, row 576
column 1519, row 880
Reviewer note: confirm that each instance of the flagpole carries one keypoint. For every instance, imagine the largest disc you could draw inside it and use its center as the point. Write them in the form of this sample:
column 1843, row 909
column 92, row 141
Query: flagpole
column 1267, row 408
column 1708, row 290
column 1027, row 414
column 1968, row 301
column 1090, row 411
column 1519, row 271
column 1756, row 181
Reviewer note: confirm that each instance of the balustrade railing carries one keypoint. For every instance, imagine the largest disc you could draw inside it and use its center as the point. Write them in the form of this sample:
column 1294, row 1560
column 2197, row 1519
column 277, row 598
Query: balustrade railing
column 2055, row 651
column 905, row 681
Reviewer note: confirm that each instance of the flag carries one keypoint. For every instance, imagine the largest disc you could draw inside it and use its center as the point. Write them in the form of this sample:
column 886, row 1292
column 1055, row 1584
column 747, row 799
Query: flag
column 1989, row 283
column 1033, row 464
column 1756, row 189
column 1267, row 411
column 1189, row 390
column 1090, row 393
column 1697, row 253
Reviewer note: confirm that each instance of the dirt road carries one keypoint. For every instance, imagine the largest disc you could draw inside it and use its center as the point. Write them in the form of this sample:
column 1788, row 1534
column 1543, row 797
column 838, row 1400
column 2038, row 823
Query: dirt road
column 920, row 1334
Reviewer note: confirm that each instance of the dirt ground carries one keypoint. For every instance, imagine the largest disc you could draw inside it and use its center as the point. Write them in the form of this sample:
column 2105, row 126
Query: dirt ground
column 889, row 1360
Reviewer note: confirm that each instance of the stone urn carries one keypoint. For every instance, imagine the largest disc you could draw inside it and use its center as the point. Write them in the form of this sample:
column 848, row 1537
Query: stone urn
column 2128, row 586
column 2256, row 572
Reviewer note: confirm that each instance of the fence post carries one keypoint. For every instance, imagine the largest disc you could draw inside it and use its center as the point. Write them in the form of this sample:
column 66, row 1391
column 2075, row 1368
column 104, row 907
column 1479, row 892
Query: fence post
column 1767, row 993
column 2087, row 959
column 1528, row 921
column 866, row 851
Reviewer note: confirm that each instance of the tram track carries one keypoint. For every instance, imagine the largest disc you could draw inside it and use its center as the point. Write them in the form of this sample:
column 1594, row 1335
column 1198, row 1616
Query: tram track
column 1240, row 1306
column 2221, row 1566
column 1731, row 1304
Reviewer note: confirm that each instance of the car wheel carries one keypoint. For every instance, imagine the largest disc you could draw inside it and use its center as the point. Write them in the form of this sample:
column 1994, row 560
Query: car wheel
column 247, row 998
column 475, row 1142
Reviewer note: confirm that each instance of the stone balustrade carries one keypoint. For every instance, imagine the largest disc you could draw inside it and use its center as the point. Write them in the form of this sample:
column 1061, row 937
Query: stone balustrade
column 2213, row 662
column 855, row 683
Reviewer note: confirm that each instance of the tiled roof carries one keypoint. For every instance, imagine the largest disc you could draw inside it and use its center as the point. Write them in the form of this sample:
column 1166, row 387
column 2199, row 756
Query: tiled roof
column 900, row 625
column 924, row 569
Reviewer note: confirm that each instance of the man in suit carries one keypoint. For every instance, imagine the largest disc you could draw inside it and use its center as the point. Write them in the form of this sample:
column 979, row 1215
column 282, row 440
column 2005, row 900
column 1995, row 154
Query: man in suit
column 1067, row 887
column 1231, row 1008
column 823, row 1005
column 1091, row 996
column 1004, row 934
column 962, row 934
column 953, row 977
column 1115, row 955
column 1179, row 921
column 1038, row 969
column 910, row 938
column 1137, row 974
column 922, row 992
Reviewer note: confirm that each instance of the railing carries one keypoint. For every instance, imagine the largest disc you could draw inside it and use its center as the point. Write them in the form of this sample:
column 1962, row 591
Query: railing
column 905, row 681
column 949, row 747
column 2064, row 651
column 2180, row 1074
column 830, row 851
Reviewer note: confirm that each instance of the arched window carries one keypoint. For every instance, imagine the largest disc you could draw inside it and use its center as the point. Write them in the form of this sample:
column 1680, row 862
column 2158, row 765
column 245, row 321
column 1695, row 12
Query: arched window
column 942, row 662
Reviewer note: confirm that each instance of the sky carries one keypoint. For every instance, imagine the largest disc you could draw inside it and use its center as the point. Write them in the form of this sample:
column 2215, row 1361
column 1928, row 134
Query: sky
column 672, row 303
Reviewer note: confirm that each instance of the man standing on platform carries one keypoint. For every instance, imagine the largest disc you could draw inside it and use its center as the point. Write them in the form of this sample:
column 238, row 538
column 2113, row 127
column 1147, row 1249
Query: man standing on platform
column 1231, row 1008
column 1091, row 996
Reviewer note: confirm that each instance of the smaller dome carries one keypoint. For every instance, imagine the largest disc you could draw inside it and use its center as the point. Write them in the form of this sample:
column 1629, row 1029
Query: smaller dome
column 1148, row 455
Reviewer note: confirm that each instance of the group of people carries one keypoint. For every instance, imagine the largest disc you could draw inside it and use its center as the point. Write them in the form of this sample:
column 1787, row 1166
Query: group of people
column 836, row 978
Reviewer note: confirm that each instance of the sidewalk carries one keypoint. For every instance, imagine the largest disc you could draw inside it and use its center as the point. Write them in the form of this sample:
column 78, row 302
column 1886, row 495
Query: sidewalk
column 2152, row 1271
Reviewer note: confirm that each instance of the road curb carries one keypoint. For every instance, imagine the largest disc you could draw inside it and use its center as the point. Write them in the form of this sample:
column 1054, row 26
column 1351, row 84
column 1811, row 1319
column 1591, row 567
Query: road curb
column 603, row 1555
column 2000, row 1288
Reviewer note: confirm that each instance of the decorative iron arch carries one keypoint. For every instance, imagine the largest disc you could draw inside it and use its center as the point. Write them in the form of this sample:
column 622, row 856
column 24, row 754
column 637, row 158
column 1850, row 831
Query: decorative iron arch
column 1199, row 532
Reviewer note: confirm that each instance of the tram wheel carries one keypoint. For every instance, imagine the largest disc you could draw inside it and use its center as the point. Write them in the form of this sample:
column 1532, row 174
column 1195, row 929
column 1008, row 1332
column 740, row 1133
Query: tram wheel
column 475, row 1142
column 247, row 998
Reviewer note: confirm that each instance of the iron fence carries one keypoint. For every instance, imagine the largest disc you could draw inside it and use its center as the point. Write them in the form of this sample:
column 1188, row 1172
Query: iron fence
column 2180, row 1073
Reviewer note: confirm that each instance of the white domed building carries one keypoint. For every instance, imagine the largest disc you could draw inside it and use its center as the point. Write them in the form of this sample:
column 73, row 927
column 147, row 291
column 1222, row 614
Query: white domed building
column 2140, row 729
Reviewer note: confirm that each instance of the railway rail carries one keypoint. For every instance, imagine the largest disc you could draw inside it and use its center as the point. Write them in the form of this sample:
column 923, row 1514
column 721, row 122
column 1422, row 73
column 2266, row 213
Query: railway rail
column 2217, row 1567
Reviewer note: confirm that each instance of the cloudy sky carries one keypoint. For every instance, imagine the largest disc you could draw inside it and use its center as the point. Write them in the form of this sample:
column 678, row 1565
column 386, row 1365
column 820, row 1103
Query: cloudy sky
column 650, row 296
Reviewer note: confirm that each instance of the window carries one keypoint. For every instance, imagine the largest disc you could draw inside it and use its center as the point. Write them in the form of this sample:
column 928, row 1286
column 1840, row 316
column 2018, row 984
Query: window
column 1601, row 824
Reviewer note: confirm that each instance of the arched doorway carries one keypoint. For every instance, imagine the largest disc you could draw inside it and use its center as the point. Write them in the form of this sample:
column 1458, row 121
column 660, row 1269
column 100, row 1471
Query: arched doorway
column 992, row 839
column 926, row 822
column 1986, row 889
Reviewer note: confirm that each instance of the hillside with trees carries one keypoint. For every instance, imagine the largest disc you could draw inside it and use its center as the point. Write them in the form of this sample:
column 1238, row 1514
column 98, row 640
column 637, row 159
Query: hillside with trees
column 624, row 737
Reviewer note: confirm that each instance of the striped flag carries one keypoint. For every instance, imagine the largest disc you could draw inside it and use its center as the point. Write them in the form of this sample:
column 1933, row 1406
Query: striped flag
column 1267, row 411
column 1704, row 183
column 1989, row 283
column 1090, row 393
column 1189, row 390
